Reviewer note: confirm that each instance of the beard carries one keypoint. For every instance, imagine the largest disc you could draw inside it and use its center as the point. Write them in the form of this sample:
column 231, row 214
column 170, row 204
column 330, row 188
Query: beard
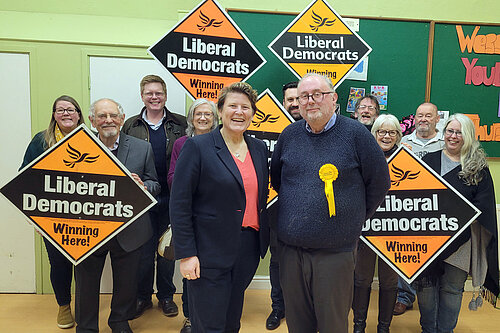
column 294, row 112
column 109, row 132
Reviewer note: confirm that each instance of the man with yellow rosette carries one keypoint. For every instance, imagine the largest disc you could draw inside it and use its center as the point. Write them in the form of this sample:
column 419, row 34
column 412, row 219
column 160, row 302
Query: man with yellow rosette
column 331, row 176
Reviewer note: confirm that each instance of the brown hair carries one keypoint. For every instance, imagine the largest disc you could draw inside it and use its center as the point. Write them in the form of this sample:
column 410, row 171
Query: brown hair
column 152, row 79
column 50, row 137
column 241, row 88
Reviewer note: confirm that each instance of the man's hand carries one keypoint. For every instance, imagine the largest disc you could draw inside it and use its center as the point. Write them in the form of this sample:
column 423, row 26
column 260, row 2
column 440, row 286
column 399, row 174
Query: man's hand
column 190, row 268
column 138, row 180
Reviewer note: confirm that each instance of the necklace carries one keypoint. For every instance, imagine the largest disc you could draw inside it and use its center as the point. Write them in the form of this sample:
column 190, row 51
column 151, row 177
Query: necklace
column 237, row 155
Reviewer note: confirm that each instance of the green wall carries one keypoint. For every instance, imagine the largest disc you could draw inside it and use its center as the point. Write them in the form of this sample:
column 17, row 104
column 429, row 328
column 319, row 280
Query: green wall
column 60, row 35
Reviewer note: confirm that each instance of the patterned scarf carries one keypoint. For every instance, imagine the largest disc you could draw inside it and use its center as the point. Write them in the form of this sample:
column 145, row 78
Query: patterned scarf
column 58, row 134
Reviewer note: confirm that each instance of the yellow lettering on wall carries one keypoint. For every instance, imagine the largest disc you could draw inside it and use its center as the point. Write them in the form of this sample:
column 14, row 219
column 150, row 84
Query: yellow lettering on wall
column 482, row 130
column 486, row 44
column 466, row 41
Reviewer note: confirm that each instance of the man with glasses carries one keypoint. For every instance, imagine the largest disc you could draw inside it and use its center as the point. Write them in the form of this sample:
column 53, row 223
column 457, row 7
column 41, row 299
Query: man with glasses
column 367, row 109
column 107, row 117
column 423, row 140
column 330, row 175
column 156, row 124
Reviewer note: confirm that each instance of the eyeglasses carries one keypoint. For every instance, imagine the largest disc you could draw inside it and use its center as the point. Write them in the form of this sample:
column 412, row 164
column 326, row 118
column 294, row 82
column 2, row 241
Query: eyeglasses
column 318, row 97
column 364, row 107
column 151, row 94
column 450, row 132
column 207, row 115
column 104, row 116
column 61, row 110
column 382, row 133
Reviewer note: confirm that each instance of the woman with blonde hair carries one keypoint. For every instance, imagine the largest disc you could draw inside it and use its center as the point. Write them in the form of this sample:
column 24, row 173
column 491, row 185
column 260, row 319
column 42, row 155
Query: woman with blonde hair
column 462, row 163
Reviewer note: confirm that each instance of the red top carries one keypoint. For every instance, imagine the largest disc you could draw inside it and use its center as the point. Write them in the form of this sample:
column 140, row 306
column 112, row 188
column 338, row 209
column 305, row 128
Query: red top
column 251, row 187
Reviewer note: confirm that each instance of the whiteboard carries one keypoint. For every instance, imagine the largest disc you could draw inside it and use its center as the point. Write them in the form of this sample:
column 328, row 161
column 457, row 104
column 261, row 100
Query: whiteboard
column 119, row 79
column 17, row 245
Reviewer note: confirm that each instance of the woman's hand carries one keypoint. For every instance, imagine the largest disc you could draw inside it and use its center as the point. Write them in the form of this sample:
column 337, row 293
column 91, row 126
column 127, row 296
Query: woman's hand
column 190, row 268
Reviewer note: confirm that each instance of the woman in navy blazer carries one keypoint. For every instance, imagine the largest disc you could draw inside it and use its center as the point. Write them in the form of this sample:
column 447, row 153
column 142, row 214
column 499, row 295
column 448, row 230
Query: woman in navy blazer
column 218, row 213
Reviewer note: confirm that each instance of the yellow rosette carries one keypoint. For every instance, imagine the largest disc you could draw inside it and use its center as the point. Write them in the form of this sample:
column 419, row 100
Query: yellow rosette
column 328, row 173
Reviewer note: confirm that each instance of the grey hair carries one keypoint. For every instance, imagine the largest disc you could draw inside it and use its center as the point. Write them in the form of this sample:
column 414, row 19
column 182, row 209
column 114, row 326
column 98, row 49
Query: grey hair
column 92, row 106
column 388, row 119
column 323, row 77
column 200, row 101
column 472, row 155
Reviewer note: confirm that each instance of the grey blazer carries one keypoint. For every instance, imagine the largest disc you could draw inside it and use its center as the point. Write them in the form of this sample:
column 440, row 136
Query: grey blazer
column 137, row 156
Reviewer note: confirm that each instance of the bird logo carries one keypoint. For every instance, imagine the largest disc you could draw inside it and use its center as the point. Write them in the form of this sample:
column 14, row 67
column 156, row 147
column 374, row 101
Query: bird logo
column 207, row 22
column 319, row 21
column 402, row 175
column 78, row 157
column 262, row 118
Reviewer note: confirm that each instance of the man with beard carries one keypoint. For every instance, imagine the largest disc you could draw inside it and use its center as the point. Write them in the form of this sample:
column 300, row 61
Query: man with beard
column 367, row 110
column 425, row 139
column 291, row 104
column 330, row 175
column 107, row 117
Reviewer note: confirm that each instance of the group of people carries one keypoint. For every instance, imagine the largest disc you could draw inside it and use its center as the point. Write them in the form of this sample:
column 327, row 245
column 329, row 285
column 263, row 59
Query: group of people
column 458, row 157
column 211, row 182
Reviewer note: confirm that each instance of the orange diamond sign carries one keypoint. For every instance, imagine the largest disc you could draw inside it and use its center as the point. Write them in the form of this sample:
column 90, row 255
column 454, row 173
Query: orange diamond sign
column 267, row 124
column 207, row 51
column 420, row 216
column 78, row 195
column 319, row 41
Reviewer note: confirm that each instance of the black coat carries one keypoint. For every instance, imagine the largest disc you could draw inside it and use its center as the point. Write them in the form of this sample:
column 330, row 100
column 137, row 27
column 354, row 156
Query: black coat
column 207, row 200
column 482, row 196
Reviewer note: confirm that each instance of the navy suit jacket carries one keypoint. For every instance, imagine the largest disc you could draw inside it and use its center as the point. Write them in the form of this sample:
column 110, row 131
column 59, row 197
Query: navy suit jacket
column 207, row 200
column 137, row 156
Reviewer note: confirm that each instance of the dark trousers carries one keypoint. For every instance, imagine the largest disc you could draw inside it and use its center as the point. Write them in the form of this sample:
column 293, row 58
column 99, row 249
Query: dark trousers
column 363, row 278
column 365, row 269
column 216, row 298
column 164, row 268
column 61, row 274
column 185, row 298
column 88, row 283
column 318, row 289
column 274, row 274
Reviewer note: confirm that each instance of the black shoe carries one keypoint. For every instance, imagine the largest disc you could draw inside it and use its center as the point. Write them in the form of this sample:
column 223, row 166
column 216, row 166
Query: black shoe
column 168, row 307
column 122, row 331
column 121, row 328
column 141, row 306
column 274, row 319
column 186, row 327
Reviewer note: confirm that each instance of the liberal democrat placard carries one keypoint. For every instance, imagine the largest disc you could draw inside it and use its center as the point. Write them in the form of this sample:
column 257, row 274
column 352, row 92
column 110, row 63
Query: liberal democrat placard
column 78, row 195
column 420, row 216
column 319, row 41
column 207, row 51
column 269, row 121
